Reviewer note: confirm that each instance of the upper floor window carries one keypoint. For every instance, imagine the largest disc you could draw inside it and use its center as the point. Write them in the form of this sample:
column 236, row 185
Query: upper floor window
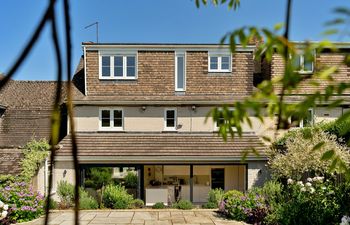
column 118, row 66
column 111, row 119
column 221, row 119
column 180, row 72
column 306, row 121
column 303, row 64
column 170, row 119
column 219, row 63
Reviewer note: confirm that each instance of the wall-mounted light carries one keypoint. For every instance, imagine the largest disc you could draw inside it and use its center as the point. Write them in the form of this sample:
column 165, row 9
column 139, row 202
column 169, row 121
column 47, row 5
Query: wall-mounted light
column 143, row 108
column 193, row 108
column 64, row 173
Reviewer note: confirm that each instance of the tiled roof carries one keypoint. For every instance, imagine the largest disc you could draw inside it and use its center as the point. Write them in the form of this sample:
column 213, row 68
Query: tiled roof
column 28, row 110
column 164, row 145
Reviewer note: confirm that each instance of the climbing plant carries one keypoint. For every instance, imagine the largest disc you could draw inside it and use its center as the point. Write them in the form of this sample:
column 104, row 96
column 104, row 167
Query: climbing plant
column 34, row 153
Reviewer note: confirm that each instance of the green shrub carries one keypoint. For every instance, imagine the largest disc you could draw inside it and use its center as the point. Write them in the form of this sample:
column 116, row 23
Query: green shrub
column 53, row 204
column 158, row 205
column 116, row 197
column 215, row 196
column 183, row 204
column 86, row 201
column 65, row 192
column 232, row 194
column 131, row 180
column 210, row 205
column 98, row 177
column 137, row 204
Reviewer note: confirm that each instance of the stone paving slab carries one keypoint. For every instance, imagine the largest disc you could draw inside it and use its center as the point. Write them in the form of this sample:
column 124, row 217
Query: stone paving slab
column 137, row 217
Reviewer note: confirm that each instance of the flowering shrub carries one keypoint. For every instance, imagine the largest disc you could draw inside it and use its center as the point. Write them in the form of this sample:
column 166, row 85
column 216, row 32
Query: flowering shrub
column 250, row 207
column 310, row 202
column 25, row 204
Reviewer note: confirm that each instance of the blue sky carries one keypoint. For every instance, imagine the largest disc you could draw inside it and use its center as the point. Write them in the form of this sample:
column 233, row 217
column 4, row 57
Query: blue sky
column 147, row 21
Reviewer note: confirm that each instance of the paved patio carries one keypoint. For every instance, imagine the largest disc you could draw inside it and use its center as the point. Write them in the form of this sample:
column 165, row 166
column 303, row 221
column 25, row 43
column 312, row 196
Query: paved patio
column 138, row 217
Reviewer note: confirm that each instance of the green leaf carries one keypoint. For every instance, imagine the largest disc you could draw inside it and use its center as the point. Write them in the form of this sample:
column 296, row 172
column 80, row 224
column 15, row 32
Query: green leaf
column 318, row 146
column 327, row 155
column 278, row 26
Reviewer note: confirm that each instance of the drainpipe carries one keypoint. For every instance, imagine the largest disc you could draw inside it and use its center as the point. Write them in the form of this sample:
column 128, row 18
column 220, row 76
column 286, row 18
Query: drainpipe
column 46, row 168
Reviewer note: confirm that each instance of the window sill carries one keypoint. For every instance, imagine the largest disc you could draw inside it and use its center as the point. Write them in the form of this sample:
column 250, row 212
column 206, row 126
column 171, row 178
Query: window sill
column 110, row 131
column 304, row 72
column 170, row 131
column 114, row 78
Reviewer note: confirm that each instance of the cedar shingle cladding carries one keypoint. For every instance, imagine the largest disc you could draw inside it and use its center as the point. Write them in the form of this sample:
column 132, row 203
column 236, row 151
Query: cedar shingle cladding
column 322, row 60
column 156, row 76
column 197, row 145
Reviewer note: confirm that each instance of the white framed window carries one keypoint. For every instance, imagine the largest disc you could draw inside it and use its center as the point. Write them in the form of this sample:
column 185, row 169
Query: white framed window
column 221, row 120
column 302, row 64
column 307, row 121
column 170, row 119
column 180, row 71
column 111, row 119
column 120, row 67
column 219, row 62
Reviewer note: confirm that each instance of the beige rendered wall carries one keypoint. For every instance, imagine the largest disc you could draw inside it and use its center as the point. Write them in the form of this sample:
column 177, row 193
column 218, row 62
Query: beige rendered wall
column 151, row 119
column 257, row 173
column 62, row 171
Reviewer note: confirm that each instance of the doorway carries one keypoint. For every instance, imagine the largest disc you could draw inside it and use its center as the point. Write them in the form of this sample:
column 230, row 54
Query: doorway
column 218, row 178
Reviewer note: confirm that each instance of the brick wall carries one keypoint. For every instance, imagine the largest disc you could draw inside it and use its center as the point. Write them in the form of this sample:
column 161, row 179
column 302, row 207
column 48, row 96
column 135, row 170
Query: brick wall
column 322, row 60
column 156, row 76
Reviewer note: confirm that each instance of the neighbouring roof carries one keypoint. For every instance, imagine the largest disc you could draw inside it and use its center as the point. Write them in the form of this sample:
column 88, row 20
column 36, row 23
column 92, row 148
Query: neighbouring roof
column 161, row 147
column 28, row 106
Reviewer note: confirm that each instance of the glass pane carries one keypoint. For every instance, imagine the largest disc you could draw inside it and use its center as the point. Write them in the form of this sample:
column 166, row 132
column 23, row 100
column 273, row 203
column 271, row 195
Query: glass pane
column 130, row 61
column 130, row 71
column 170, row 123
column 170, row 114
column 307, row 65
column 118, row 61
column 180, row 72
column 296, row 62
column 213, row 63
column 225, row 62
column 118, row 71
column 118, row 118
column 106, row 71
column 105, row 117
column 106, row 61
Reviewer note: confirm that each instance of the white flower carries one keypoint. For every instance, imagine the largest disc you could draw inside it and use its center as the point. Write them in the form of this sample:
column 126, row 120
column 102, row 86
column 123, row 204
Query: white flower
column 300, row 183
column 1, row 204
column 302, row 189
column 290, row 181
column 3, row 214
column 345, row 220
column 308, row 184
column 312, row 190
column 309, row 179
column 6, row 207
column 323, row 188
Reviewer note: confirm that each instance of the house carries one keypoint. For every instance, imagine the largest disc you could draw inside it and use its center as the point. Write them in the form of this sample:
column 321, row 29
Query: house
column 143, row 108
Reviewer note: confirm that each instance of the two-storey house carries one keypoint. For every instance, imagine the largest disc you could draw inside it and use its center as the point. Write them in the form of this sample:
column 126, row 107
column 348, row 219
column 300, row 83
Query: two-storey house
column 143, row 108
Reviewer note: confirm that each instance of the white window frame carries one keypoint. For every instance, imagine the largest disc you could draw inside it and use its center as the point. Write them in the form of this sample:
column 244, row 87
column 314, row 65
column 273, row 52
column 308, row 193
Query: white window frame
column 216, row 127
column 181, row 54
column 219, row 69
column 112, row 76
column 302, row 65
column 301, row 122
column 165, row 118
column 111, row 120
